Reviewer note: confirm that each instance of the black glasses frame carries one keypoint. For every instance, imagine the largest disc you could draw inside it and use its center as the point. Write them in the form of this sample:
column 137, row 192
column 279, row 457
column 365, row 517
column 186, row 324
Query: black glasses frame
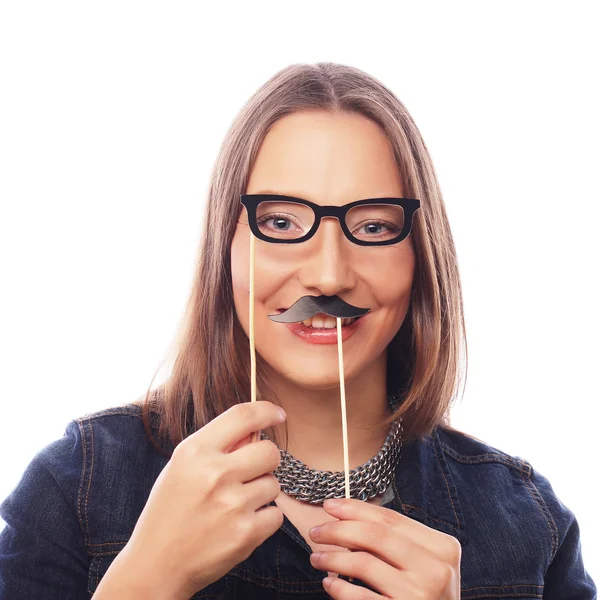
column 251, row 202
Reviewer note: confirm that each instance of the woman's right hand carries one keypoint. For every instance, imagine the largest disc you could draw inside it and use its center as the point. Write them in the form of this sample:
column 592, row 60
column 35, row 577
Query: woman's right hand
column 203, row 515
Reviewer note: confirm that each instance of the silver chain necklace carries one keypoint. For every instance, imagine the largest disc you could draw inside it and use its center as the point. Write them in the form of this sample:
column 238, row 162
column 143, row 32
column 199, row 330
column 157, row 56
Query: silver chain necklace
column 366, row 481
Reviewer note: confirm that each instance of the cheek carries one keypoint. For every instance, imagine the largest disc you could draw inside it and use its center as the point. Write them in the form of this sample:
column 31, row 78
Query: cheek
column 399, row 287
column 270, row 274
column 393, row 293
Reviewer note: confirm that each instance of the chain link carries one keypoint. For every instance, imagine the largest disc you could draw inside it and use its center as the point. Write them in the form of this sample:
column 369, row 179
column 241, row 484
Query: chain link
column 366, row 481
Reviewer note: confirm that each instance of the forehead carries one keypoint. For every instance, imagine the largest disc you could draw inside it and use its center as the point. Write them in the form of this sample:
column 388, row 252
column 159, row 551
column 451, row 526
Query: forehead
column 327, row 158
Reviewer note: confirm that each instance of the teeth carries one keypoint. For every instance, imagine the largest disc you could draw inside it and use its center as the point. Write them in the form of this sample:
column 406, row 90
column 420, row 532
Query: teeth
column 321, row 321
column 328, row 322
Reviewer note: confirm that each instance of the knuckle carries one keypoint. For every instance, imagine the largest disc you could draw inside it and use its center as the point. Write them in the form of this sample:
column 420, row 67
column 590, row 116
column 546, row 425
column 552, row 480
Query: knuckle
column 269, row 487
column 393, row 519
column 279, row 518
column 276, row 521
column 440, row 577
column 253, row 412
column 378, row 533
column 274, row 486
column 272, row 454
column 244, row 529
column 242, row 410
column 183, row 452
column 362, row 561
column 229, row 502
column 213, row 476
column 271, row 521
column 453, row 552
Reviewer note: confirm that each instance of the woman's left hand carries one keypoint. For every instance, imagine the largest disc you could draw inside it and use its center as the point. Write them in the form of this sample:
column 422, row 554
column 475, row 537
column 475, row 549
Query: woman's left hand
column 392, row 553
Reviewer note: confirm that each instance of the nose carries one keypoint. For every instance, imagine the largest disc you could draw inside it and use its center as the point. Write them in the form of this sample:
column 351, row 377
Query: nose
column 328, row 268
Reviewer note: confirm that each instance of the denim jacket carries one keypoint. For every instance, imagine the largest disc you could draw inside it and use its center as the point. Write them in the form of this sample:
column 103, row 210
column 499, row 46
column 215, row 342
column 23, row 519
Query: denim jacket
column 77, row 503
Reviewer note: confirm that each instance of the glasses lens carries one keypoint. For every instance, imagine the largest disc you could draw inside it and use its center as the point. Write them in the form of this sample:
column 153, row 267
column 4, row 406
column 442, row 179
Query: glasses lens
column 375, row 222
column 282, row 220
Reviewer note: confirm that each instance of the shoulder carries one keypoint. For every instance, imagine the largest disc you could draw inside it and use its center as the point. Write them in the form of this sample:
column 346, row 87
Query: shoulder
column 132, row 409
column 119, row 435
column 77, row 502
column 111, row 424
column 95, row 446
column 507, row 503
column 120, row 465
column 509, row 483
column 466, row 449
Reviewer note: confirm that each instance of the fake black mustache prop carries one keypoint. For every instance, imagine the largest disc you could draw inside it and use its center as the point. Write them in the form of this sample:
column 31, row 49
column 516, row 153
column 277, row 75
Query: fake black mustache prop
column 308, row 306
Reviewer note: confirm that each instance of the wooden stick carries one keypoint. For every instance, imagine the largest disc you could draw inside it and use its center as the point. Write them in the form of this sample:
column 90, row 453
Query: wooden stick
column 344, row 420
column 343, row 401
column 251, row 327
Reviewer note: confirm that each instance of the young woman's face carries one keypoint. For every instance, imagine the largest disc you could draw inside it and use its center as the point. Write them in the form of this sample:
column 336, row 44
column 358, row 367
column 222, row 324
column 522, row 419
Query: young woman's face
column 329, row 160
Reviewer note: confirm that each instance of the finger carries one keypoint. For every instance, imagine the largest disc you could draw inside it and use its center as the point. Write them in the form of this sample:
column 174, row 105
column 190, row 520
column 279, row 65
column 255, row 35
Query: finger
column 269, row 519
column 241, row 443
column 361, row 565
column 339, row 589
column 261, row 491
column 357, row 510
column 400, row 551
column 236, row 423
column 254, row 460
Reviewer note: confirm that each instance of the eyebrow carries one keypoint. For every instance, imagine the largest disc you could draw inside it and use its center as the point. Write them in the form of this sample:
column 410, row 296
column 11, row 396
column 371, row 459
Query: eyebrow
column 269, row 192
column 277, row 193
column 301, row 198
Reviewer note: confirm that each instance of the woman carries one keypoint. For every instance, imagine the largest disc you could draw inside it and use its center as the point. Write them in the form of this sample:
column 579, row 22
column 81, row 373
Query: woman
column 172, row 497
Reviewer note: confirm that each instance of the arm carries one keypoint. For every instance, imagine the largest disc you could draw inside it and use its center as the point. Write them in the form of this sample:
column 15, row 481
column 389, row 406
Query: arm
column 42, row 548
column 566, row 577
column 125, row 581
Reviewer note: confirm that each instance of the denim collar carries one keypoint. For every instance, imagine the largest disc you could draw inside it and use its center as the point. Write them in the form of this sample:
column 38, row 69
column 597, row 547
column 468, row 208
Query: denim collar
column 424, row 488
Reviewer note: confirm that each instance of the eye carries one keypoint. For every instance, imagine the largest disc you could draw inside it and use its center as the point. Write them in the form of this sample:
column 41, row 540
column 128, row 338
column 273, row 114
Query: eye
column 373, row 222
column 283, row 220
column 281, row 223
column 377, row 228
column 275, row 222
column 274, row 225
column 373, row 227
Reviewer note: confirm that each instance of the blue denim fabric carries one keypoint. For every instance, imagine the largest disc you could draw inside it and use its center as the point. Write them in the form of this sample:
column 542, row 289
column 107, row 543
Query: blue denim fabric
column 79, row 499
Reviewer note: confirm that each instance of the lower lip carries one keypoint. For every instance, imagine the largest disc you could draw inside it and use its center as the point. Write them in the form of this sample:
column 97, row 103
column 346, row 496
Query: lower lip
column 322, row 335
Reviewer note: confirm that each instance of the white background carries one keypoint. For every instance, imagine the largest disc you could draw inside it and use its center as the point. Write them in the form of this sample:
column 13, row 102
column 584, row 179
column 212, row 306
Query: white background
column 111, row 115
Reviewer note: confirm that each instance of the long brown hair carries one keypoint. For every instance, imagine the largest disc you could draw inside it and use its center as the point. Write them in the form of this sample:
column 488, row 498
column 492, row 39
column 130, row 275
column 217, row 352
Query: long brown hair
column 210, row 355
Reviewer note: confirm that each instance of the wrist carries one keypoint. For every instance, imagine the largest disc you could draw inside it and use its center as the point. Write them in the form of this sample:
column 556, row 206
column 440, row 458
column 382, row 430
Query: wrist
column 132, row 577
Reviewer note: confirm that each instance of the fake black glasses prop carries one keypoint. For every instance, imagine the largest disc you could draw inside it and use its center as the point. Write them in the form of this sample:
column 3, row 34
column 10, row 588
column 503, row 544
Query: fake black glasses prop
column 287, row 220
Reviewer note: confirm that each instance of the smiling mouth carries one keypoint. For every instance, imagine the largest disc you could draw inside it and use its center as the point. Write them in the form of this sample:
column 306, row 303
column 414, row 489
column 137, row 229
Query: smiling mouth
column 323, row 321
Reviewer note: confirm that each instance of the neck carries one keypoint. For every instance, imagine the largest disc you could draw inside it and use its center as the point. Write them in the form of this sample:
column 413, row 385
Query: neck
column 314, row 419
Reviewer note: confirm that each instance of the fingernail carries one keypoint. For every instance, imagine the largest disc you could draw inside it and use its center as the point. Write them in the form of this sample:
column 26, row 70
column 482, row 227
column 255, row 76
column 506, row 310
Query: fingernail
column 332, row 503
column 315, row 530
column 327, row 581
column 314, row 557
column 283, row 414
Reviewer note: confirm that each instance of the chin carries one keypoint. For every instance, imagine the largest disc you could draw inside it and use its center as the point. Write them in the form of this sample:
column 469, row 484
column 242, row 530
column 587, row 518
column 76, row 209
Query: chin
column 314, row 375
column 315, row 382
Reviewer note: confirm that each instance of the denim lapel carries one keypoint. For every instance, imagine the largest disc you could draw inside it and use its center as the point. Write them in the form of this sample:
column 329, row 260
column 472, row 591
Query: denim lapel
column 424, row 489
